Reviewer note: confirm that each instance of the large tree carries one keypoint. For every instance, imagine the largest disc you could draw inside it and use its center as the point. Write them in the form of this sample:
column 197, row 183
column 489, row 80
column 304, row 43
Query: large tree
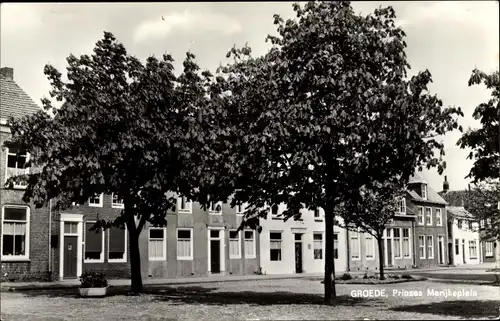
column 123, row 127
column 327, row 111
column 485, row 140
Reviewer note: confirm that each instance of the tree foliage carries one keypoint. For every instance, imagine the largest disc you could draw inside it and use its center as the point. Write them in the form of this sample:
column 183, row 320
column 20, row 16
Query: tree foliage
column 124, row 127
column 485, row 141
column 482, row 202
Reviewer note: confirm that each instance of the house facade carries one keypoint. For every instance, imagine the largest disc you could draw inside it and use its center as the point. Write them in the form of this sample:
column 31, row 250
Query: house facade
column 464, row 237
column 298, row 246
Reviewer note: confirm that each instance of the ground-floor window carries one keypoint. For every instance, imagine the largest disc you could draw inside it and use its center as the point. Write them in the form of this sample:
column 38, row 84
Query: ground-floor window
column 250, row 244
column 184, row 244
column 15, row 232
column 234, row 245
column 355, row 246
column 318, row 246
column 457, row 246
column 421, row 246
column 406, row 243
column 488, row 246
column 275, row 246
column 430, row 247
column 157, row 244
column 335, row 245
column 397, row 243
column 473, row 249
column 94, row 244
column 117, row 245
column 369, row 247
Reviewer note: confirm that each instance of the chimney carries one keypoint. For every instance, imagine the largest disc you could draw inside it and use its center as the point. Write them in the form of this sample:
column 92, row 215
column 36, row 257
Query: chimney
column 446, row 185
column 7, row 72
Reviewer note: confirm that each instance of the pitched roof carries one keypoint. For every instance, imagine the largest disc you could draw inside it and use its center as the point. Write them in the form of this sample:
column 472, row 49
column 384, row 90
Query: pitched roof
column 14, row 101
column 416, row 178
column 458, row 211
column 432, row 197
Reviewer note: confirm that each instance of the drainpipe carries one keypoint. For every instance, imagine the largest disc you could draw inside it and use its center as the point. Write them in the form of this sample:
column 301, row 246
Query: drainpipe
column 50, row 235
column 414, row 244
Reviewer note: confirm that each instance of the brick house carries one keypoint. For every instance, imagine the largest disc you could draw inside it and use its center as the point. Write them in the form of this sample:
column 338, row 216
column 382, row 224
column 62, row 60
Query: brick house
column 25, row 230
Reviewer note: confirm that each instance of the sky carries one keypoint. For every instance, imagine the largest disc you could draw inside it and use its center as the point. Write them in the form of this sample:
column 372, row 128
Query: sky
column 448, row 38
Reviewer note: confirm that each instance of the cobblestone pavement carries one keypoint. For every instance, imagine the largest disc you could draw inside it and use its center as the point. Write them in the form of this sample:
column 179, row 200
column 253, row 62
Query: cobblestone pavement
column 294, row 299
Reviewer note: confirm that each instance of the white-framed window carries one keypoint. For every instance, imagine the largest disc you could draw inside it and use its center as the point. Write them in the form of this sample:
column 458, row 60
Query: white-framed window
column 369, row 247
column 397, row 243
column 94, row 244
column 423, row 190
column 240, row 209
column 317, row 214
column 459, row 224
column 250, row 244
column 117, row 245
column 355, row 246
column 17, row 159
column 157, row 243
column 234, row 245
column 401, row 205
column 439, row 217
column 96, row 200
column 406, row 243
column 275, row 245
column 184, row 244
column 488, row 247
column 184, row 205
column 420, row 215
column 215, row 208
column 318, row 245
column 421, row 246
column 473, row 249
column 274, row 211
column 15, row 232
column 335, row 245
column 430, row 247
column 116, row 202
column 428, row 216
column 481, row 223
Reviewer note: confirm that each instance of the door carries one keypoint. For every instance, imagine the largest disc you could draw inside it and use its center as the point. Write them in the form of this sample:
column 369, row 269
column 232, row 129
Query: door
column 298, row 257
column 215, row 256
column 70, row 256
column 463, row 251
column 450, row 253
column 441, row 249
column 389, row 247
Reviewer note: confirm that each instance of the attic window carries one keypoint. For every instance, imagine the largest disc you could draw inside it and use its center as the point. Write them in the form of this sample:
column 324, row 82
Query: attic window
column 423, row 191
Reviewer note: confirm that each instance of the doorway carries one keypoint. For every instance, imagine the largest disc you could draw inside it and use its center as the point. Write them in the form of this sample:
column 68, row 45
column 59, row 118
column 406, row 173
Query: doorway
column 390, row 261
column 70, row 246
column 441, row 249
column 463, row 251
column 216, row 262
column 298, row 253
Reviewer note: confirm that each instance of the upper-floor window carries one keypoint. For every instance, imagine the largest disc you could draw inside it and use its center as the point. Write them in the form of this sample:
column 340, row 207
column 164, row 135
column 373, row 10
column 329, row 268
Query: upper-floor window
column 423, row 191
column 420, row 216
column 317, row 214
column 116, row 202
column 439, row 217
column 96, row 200
column 428, row 216
column 274, row 210
column 240, row 209
column 17, row 160
column 401, row 205
column 184, row 205
column 215, row 208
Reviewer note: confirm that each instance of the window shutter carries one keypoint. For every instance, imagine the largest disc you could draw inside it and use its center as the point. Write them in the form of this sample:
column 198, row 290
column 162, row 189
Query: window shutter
column 116, row 240
column 93, row 240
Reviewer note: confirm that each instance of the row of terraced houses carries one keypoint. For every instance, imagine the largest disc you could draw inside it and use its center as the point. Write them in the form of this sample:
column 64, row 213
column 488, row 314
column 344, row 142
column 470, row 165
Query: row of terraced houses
column 45, row 244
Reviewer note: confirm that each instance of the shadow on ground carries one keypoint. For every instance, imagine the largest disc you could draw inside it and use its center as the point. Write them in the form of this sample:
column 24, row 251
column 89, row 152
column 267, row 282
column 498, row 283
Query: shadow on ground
column 210, row 295
column 459, row 308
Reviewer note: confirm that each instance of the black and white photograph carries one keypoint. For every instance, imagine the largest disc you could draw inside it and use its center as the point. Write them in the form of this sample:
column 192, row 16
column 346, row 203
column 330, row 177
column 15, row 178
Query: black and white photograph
column 321, row 160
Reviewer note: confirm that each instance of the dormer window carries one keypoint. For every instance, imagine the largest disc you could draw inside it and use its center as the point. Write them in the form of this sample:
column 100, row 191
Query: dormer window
column 401, row 205
column 423, row 191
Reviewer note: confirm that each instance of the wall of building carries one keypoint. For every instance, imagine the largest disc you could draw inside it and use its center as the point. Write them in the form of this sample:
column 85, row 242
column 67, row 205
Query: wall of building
column 465, row 235
column 307, row 226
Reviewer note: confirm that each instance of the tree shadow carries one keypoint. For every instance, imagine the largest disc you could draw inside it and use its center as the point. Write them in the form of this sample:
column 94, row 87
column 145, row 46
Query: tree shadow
column 458, row 308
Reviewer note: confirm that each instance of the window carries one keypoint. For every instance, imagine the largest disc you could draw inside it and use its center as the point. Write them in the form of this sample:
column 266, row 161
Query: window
column 370, row 247
column 439, row 217
column 240, row 209
column 473, row 249
column 355, row 246
column 317, row 214
column 459, row 224
column 94, row 244
column 488, row 249
column 406, row 243
column 234, row 245
column 215, row 208
column 16, row 164
column 96, row 200
column 275, row 242
column 15, row 233
column 457, row 246
column 335, row 245
column 116, row 203
column 423, row 190
column 249, row 244
column 184, row 244
column 470, row 225
column 401, row 205
column 184, row 205
column 481, row 223
column 318, row 246
column 421, row 246
column 420, row 215
column 117, row 245
column 274, row 210
column 157, row 244
column 430, row 247
column 428, row 216
column 397, row 243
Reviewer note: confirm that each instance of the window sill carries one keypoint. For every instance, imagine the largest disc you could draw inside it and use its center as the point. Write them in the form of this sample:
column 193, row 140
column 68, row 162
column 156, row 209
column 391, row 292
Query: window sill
column 215, row 213
column 185, row 211
column 117, row 206
column 235, row 257
column 95, row 205
column 184, row 258
column 93, row 261
column 356, row 259
column 117, row 261
column 372, row 259
column 15, row 259
column 158, row 259
column 251, row 257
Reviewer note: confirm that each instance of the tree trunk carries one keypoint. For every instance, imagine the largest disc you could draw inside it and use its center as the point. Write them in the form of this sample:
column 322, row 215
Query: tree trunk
column 329, row 280
column 380, row 256
column 135, row 258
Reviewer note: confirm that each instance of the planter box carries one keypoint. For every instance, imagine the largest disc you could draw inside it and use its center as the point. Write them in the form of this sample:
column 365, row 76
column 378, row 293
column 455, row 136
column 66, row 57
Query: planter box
column 93, row 292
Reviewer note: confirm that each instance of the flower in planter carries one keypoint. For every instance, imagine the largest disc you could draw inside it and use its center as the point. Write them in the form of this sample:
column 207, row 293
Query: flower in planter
column 93, row 280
